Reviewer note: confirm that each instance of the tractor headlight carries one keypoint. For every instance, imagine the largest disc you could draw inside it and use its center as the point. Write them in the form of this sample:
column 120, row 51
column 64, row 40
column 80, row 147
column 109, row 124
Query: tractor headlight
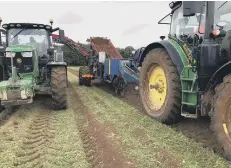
column 26, row 54
column 4, row 95
column 10, row 54
column 23, row 94
column 26, row 93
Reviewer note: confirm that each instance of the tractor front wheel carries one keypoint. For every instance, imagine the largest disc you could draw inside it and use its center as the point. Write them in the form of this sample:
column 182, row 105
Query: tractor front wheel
column 221, row 116
column 59, row 87
column 160, row 88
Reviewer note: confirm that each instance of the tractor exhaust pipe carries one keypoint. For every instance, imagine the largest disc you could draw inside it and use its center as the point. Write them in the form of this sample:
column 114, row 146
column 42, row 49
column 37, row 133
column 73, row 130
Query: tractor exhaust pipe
column 209, row 13
column 14, row 75
column 13, row 70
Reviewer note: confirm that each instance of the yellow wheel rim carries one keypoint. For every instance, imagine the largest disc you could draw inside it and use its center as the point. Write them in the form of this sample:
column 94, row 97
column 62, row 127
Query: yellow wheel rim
column 157, row 88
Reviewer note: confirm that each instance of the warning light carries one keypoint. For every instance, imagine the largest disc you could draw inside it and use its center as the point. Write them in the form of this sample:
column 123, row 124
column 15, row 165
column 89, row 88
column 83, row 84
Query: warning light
column 51, row 21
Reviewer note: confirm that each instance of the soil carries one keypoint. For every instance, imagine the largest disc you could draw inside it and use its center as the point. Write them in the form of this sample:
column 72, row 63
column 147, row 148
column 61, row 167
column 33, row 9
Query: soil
column 100, row 150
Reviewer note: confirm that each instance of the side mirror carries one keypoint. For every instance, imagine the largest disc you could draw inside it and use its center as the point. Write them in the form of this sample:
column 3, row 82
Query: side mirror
column 162, row 37
column 190, row 8
column 62, row 36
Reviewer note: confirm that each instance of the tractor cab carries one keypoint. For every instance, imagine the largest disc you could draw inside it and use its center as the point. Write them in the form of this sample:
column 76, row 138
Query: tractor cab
column 29, row 45
column 194, row 32
column 181, row 27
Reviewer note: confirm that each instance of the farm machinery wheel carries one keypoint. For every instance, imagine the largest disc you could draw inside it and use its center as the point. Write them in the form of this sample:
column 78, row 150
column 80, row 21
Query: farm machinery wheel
column 221, row 116
column 160, row 88
column 119, row 85
column 82, row 80
column 59, row 87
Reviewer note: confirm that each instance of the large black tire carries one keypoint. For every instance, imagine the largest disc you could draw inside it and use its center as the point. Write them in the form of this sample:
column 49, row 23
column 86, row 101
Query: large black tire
column 59, row 87
column 169, row 112
column 84, row 81
column 220, row 115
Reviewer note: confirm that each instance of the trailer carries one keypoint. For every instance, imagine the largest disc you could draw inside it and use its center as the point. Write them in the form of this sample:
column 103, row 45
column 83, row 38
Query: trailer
column 106, row 63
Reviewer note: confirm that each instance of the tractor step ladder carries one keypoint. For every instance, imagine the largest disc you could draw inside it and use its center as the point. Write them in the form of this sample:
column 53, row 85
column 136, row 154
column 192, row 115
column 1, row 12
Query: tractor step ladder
column 189, row 94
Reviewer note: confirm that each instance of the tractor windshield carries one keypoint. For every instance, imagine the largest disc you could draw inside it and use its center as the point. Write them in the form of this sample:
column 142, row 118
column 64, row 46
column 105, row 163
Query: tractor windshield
column 36, row 37
column 181, row 25
column 223, row 13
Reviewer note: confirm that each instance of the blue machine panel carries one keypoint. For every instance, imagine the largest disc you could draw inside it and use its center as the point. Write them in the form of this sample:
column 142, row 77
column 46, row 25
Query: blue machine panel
column 111, row 67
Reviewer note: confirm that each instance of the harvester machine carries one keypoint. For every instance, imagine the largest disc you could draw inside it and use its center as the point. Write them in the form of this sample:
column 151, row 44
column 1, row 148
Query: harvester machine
column 106, row 63
column 189, row 74
column 30, row 65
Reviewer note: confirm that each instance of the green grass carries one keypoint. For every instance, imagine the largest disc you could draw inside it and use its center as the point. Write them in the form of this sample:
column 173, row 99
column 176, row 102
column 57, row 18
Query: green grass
column 179, row 151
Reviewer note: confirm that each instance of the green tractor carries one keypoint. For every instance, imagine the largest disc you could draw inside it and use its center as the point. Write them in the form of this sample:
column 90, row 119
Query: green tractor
column 30, row 65
column 189, row 74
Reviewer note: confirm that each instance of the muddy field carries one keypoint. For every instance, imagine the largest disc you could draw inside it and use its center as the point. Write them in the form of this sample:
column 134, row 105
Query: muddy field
column 100, row 130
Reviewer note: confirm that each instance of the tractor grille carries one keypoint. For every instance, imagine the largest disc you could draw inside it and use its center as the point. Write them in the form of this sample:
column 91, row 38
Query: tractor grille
column 13, row 94
column 23, row 66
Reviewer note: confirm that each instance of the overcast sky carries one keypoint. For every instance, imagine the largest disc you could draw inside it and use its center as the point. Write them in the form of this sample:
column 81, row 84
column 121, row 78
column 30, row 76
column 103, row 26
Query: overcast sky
column 125, row 23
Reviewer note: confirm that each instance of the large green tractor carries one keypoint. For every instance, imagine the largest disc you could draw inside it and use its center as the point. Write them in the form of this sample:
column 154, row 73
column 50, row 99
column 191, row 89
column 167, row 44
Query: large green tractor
column 189, row 74
column 30, row 65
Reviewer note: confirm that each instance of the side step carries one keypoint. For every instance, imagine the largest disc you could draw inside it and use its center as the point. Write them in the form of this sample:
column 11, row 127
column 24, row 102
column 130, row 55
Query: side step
column 187, row 114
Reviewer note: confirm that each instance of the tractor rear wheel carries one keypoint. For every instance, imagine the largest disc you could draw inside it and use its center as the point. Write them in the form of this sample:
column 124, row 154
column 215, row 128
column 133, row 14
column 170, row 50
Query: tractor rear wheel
column 160, row 88
column 221, row 116
column 83, row 71
column 59, row 87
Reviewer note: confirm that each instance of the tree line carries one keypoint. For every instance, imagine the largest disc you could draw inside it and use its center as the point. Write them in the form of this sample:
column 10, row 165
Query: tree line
column 75, row 58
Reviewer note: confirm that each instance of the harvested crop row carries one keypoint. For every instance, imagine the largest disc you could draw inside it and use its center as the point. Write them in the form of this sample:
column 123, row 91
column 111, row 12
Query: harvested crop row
column 99, row 150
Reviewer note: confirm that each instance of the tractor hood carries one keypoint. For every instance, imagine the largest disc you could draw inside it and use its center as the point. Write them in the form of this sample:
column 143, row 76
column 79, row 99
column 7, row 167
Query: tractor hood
column 20, row 48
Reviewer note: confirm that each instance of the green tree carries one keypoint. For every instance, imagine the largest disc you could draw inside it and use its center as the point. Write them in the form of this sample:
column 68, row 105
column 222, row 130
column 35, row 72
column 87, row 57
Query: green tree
column 72, row 57
column 126, row 52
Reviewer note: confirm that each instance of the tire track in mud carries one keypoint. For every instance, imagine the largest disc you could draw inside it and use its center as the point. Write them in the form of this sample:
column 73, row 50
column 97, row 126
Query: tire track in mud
column 38, row 137
column 98, row 148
